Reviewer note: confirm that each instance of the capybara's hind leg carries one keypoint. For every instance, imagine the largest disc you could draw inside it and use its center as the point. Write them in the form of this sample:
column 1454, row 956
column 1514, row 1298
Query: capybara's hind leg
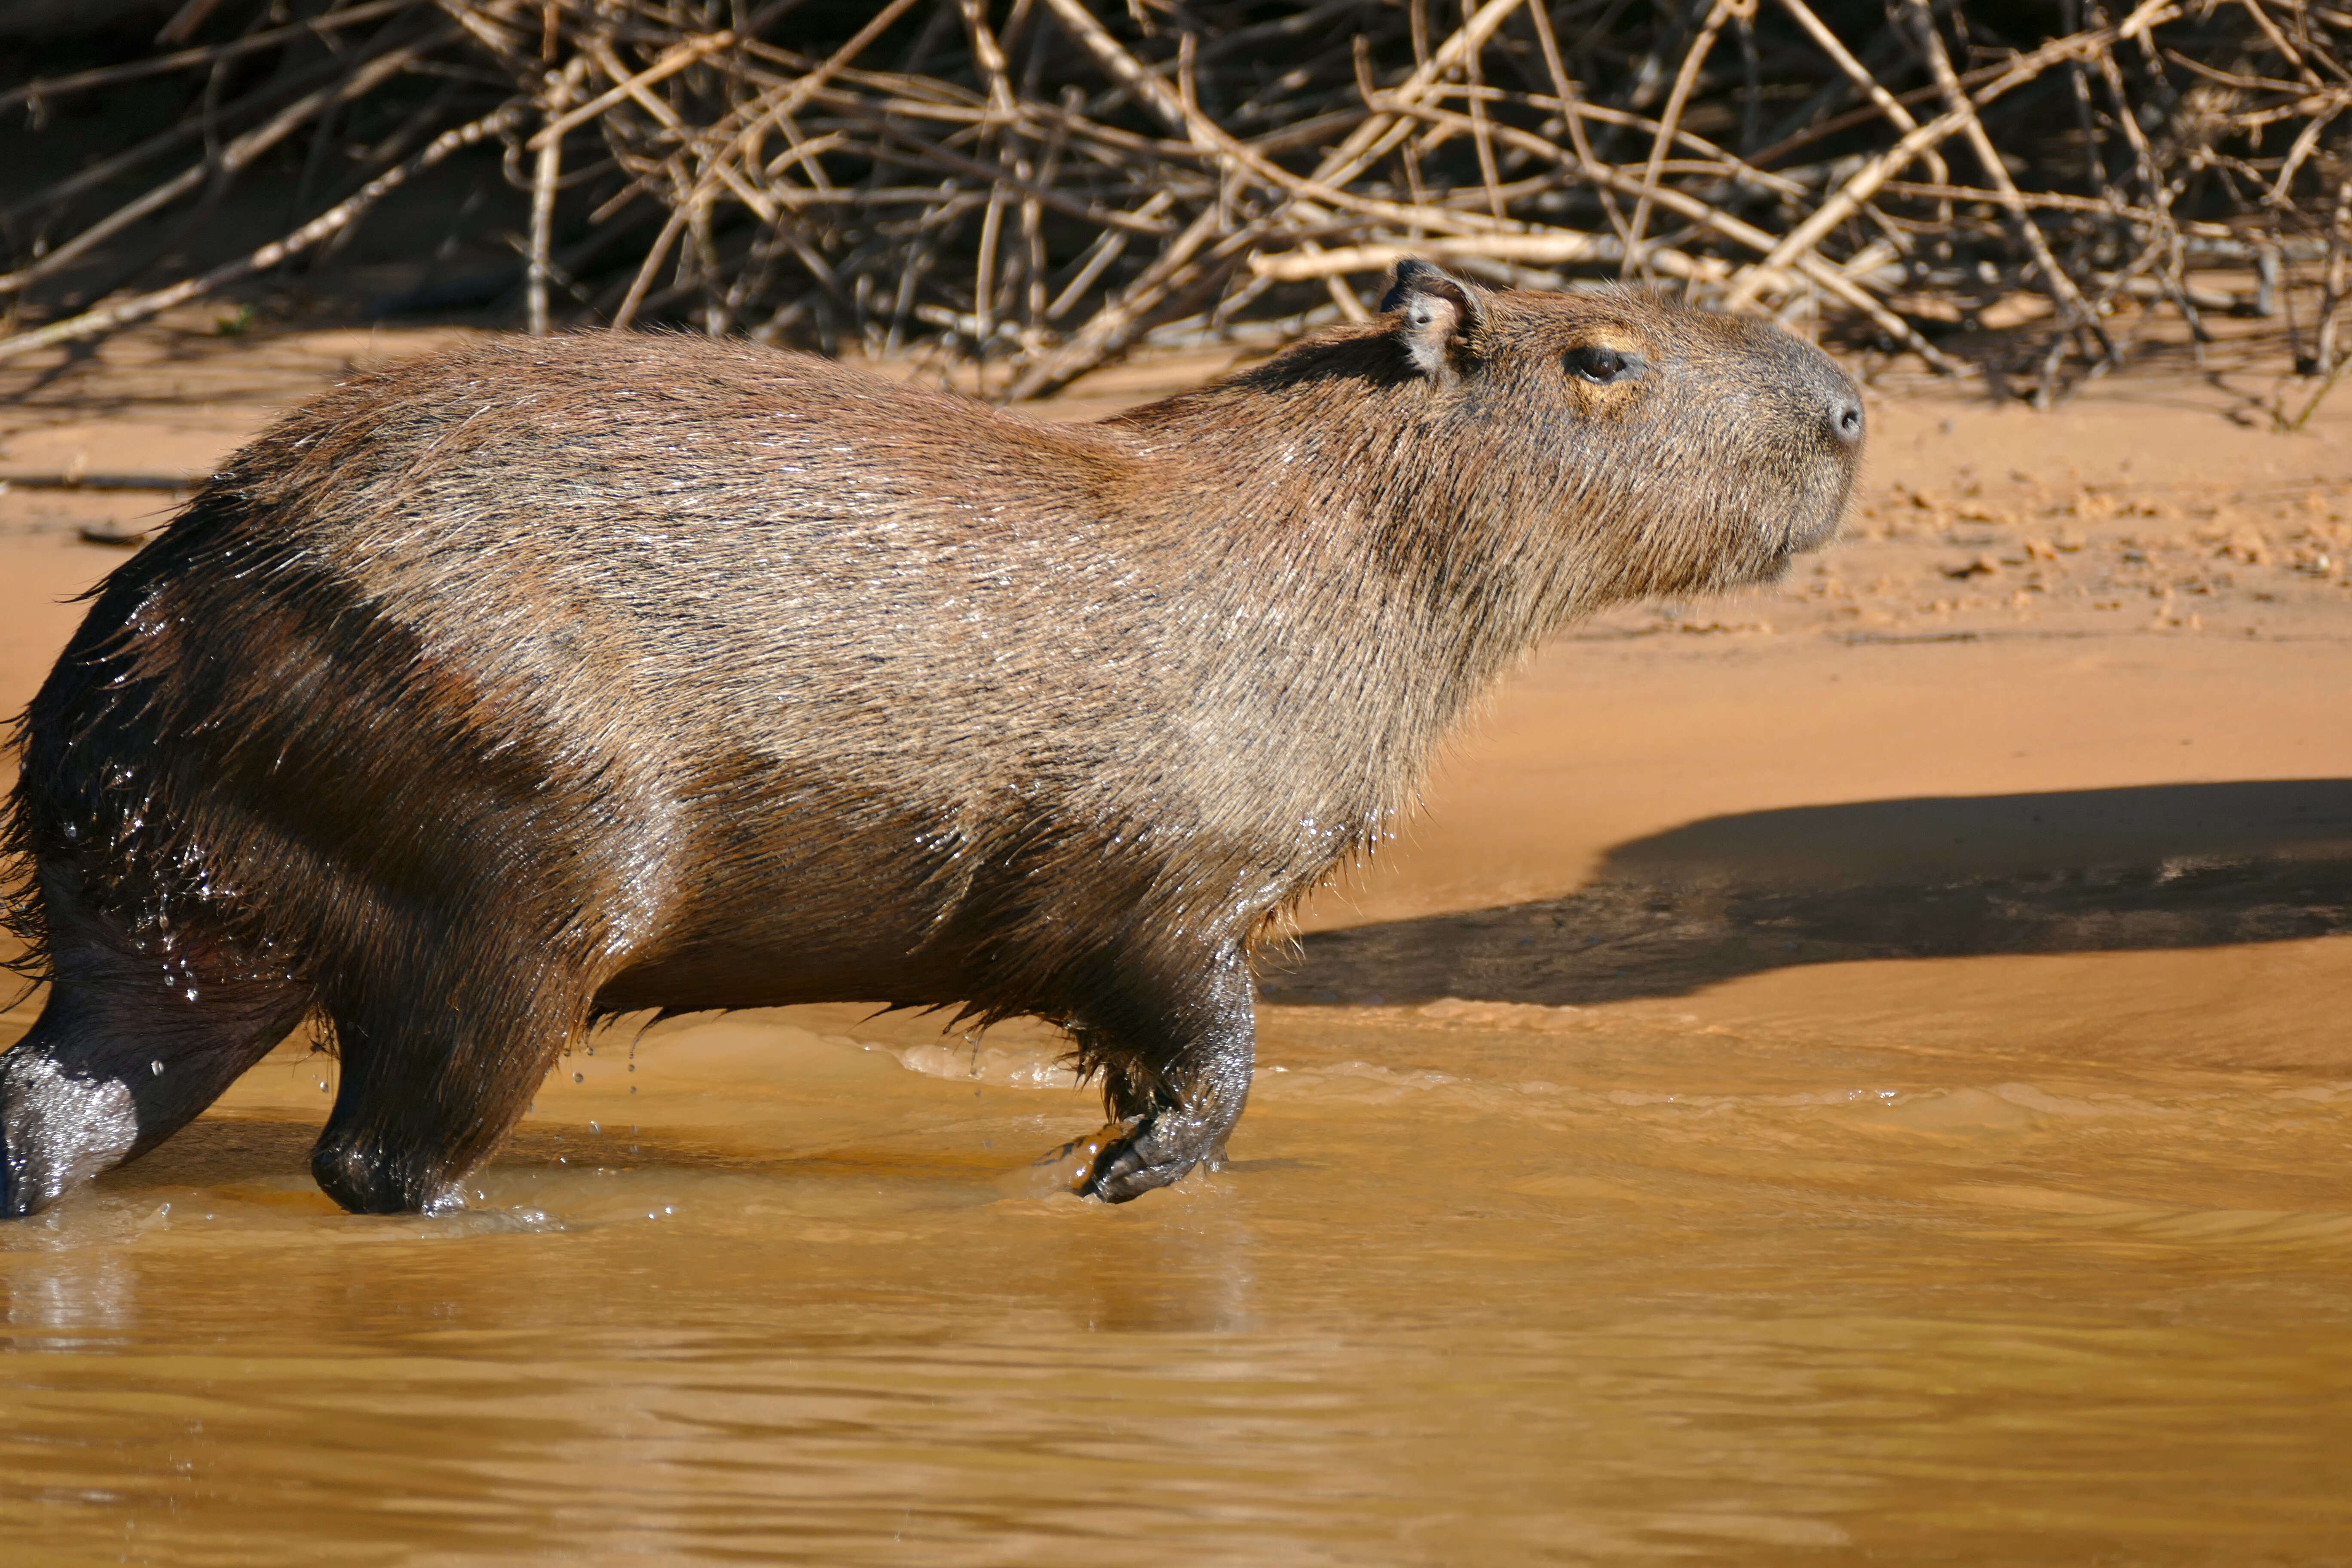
column 127, row 1049
column 433, row 1078
column 1176, row 1057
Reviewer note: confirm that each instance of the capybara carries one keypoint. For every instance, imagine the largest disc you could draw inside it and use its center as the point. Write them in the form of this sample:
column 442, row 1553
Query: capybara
column 519, row 686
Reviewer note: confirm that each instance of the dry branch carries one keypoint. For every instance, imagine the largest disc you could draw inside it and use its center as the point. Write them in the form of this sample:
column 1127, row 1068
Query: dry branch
column 1038, row 185
column 326, row 224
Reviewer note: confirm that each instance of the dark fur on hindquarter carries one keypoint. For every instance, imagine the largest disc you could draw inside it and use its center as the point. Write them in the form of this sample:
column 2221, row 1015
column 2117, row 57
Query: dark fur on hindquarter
column 542, row 680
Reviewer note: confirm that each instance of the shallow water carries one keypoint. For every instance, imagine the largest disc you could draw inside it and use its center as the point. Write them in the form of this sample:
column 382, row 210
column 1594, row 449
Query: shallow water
column 1832, row 1265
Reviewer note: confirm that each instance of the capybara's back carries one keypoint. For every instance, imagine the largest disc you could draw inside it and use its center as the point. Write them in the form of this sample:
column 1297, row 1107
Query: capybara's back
column 549, row 680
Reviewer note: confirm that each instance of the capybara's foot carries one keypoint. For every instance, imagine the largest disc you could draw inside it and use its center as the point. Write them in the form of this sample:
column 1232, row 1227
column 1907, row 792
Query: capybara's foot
column 359, row 1175
column 1129, row 1157
column 57, row 1130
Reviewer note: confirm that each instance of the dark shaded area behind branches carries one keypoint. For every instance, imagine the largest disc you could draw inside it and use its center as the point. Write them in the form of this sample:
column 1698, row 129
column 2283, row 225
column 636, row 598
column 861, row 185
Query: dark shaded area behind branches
column 1040, row 186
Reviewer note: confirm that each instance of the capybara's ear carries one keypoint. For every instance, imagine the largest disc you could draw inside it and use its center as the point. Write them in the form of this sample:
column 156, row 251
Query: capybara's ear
column 1439, row 311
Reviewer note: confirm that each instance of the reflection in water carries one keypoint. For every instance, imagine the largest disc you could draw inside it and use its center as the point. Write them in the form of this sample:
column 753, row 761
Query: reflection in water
column 73, row 1298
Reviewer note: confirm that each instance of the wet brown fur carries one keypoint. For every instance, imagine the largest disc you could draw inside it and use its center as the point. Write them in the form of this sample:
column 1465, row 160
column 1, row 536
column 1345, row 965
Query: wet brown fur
column 543, row 680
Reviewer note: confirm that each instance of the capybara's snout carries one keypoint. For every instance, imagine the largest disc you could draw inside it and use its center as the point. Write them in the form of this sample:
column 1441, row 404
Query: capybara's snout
column 1843, row 427
column 1717, row 447
column 1842, row 410
column 1825, row 423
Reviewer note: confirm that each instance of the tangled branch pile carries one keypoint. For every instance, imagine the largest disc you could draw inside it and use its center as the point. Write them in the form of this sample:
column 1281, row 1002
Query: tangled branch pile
column 1039, row 185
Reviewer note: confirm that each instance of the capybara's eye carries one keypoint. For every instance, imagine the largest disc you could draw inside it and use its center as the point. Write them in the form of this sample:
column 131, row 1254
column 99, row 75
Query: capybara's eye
column 1595, row 364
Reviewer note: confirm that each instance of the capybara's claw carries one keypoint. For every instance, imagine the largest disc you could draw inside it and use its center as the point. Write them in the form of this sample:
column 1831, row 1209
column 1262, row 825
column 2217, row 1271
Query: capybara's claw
column 1126, row 1160
column 1126, row 1174
column 1080, row 1158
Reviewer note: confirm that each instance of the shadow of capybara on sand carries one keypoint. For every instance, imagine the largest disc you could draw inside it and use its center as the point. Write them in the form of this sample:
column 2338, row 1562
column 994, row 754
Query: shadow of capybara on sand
column 2169, row 866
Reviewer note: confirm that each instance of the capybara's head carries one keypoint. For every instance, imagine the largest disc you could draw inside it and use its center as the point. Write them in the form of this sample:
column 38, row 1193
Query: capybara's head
column 1715, row 446
column 1672, row 450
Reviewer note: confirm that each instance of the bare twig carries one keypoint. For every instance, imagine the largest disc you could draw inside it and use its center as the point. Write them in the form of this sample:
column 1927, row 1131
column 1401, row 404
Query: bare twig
column 1861, row 186
column 546, row 171
column 95, row 323
column 1044, row 184
column 57, row 86
column 2078, row 312
column 1720, row 12
column 233, row 159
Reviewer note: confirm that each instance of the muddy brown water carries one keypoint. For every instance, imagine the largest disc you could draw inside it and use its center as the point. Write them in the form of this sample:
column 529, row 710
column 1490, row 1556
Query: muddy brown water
column 1793, row 1098
column 1488, row 1282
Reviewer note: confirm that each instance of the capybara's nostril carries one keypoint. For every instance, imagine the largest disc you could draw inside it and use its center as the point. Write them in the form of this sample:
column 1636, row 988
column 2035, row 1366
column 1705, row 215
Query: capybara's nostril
column 1845, row 420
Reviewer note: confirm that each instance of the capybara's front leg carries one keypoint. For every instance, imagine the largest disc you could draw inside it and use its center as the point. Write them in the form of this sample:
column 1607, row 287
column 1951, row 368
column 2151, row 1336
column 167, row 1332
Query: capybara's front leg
column 1176, row 1061
column 128, row 1047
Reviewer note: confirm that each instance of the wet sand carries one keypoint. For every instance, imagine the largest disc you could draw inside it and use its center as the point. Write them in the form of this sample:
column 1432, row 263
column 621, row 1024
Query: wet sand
column 1854, row 1073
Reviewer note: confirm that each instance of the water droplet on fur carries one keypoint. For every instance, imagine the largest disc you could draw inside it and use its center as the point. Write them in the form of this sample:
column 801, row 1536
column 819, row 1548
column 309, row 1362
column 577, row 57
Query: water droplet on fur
column 580, row 1078
column 156, row 1068
column 599, row 1132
